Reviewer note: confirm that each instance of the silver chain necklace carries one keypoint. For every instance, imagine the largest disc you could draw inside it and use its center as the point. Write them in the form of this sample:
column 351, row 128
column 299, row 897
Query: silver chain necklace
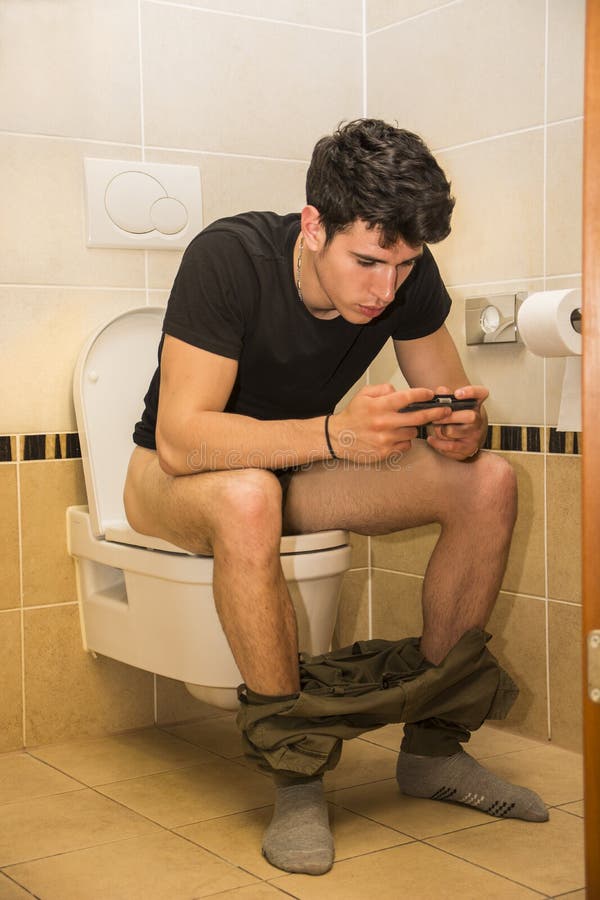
column 299, row 270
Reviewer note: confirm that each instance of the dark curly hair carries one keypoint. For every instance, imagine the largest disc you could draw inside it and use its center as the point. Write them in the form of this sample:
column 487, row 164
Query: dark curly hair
column 383, row 175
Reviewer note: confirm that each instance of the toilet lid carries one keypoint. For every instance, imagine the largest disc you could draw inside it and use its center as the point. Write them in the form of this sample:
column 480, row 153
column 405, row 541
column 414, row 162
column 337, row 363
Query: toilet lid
column 110, row 381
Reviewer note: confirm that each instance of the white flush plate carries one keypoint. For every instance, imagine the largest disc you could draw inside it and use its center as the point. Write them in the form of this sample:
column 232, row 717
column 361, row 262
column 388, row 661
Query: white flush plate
column 146, row 206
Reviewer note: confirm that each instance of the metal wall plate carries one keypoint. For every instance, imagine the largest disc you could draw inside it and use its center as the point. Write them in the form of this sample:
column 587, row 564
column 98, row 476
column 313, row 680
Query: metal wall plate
column 492, row 318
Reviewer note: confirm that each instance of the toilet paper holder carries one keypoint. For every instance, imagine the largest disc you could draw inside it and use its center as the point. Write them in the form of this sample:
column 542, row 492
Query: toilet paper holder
column 492, row 319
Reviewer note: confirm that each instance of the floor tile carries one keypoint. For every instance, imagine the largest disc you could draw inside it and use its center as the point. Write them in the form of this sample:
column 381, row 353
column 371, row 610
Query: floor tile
column 575, row 809
column 22, row 777
column 153, row 867
column 216, row 788
column 219, row 735
column 116, row 758
column 572, row 895
column 361, row 763
column 413, row 870
column 545, row 856
column 35, row 828
column 382, row 802
column 254, row 892
column 555, row 774
column 238, row 838
column 11, row 891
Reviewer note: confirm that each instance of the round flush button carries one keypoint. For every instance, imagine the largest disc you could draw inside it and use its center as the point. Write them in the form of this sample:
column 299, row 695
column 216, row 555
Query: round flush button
column 168, row 215
column 128, row 200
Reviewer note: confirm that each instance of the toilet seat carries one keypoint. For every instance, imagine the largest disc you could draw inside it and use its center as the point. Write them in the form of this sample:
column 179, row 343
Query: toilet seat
column 122, row 533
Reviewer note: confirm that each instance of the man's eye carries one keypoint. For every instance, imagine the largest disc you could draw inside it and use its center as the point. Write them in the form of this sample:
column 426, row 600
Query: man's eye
column 366, row 263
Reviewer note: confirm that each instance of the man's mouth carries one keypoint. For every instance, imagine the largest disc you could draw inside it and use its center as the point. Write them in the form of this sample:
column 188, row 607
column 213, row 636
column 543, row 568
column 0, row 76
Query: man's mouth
column 371, row 311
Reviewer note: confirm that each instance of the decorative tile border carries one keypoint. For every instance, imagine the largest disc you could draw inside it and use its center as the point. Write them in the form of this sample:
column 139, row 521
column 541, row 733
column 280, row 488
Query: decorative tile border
column 515, row 438
column 529, row 439
column 8, row 448
column 29, row 447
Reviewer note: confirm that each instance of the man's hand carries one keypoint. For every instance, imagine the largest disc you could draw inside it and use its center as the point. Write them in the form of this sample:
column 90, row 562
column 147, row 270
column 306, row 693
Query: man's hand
column 371, row 427
column 463, row 433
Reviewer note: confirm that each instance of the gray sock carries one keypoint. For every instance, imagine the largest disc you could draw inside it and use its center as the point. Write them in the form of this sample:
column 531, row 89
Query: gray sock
column 460, row 779
column 298, row 838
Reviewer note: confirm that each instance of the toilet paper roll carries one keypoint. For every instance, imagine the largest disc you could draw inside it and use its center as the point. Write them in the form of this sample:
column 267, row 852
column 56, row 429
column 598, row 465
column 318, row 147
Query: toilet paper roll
column 545, row 326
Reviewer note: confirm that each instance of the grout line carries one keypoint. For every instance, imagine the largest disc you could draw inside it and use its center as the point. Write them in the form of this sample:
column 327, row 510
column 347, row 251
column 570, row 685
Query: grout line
column 21, row 593
column 545, row 374
column 365, row 73
column 420, row 15
column 141, row 77
column 238, row 15
column 507, row 281
column 488, row 139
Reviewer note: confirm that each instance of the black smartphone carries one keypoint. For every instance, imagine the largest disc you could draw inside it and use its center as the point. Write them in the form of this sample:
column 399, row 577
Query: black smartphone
column 441, row 401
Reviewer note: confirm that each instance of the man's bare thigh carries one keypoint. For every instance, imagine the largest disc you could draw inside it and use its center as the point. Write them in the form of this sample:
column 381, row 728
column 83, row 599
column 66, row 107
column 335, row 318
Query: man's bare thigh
column 184, row 510
column 377, row 499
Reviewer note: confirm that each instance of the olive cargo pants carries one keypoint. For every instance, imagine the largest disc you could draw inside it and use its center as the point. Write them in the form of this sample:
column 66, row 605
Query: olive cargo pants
column 370, row 684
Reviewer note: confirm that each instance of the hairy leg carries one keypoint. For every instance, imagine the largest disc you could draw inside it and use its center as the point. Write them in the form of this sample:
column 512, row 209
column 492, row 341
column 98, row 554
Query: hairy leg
column 474, row 502
column 236, row 517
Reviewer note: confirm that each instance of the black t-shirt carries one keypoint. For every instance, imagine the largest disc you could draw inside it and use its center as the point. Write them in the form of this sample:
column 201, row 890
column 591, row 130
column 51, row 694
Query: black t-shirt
column 235, row 295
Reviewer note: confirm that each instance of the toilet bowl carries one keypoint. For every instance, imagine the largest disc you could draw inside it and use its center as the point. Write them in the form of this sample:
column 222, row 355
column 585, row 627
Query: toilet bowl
column 142, row 600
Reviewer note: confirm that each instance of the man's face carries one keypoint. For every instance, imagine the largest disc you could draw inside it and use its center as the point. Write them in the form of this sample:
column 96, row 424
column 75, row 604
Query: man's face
column 357, row 276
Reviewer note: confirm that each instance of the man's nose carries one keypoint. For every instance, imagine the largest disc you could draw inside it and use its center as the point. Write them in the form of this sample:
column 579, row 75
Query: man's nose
column 386, row 284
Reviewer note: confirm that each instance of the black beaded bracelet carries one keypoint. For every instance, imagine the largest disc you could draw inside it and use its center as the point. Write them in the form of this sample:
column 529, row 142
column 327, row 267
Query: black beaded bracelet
column 329, row 447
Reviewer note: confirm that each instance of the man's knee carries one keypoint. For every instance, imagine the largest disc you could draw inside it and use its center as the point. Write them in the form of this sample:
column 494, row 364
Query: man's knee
column 248, row 502
column 496, row 485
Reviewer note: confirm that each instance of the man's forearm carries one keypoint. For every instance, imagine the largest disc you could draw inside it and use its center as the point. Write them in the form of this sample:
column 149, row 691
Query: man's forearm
column 211, row 441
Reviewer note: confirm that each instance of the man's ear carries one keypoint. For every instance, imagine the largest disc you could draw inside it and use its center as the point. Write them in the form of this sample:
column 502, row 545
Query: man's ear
column 312, row 229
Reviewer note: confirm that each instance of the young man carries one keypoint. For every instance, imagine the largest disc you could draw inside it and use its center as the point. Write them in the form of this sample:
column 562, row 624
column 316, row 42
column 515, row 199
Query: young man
column 270, row 321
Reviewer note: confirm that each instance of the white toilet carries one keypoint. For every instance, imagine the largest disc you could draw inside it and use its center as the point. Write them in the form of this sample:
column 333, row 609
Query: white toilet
column 142, row 600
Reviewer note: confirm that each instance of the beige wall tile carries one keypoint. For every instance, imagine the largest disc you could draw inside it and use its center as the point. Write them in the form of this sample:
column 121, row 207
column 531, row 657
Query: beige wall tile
column 244, row 86
column 353, row 612
column 396, row 605
column 525, row 569
column 175, row 704
column 346, row 14
column 71, row 69
column 69, row 694
column 502, row 368
column 405, row 551
column 11, row 708
column 409, row 551
column 360, row 551
column 565, row 647
column 47, row 489
column 432, row 72
column 564, row 527
column 382, row 13
column 42, row 216
column 566, row 39
column 10, row 590
column 518, row 627
column 497, row 223
column 564, row 199
column 44, row 332
column 231, row 185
